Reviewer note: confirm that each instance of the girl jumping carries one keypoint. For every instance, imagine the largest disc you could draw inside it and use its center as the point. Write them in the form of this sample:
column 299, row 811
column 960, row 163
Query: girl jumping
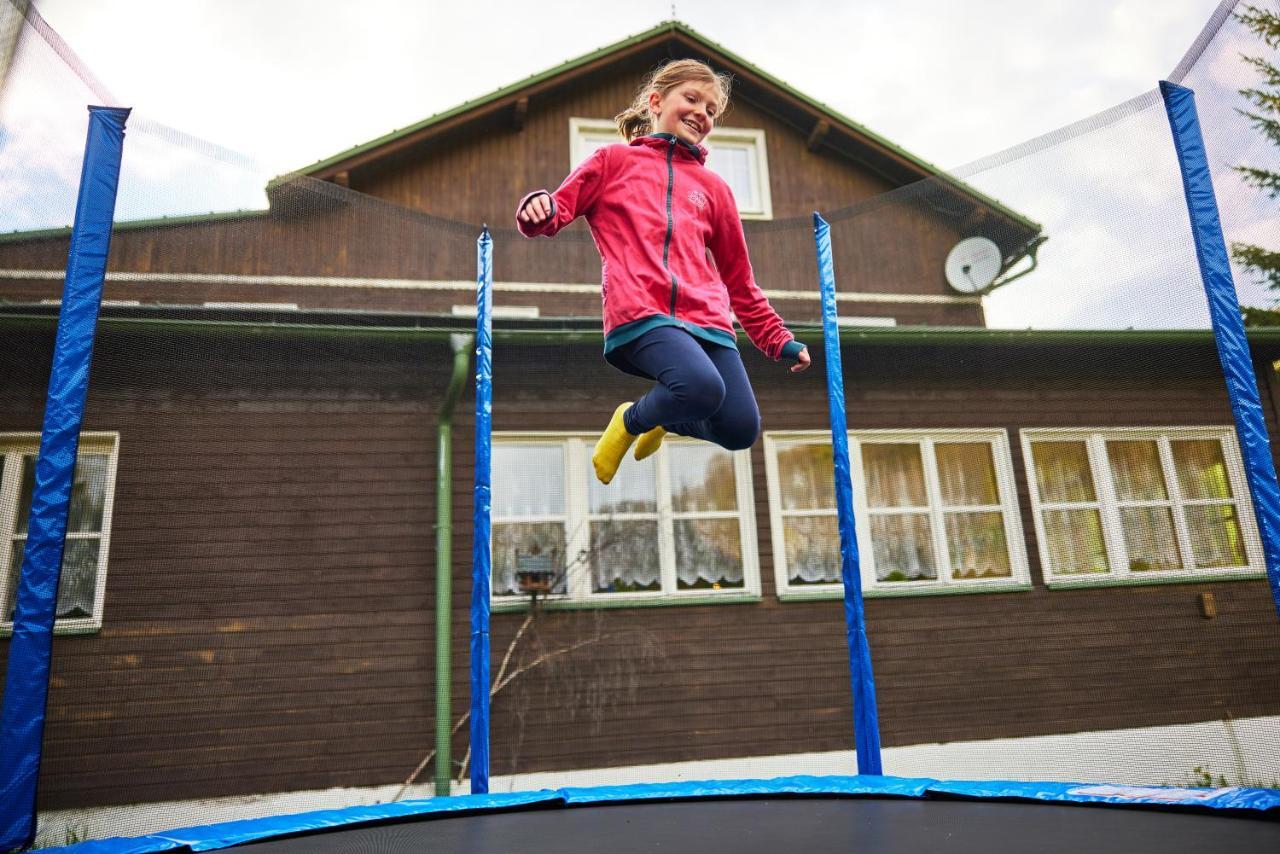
column 656, row 212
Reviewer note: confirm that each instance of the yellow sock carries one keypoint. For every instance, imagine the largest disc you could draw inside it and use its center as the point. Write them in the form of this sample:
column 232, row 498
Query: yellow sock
column 648, row 443
column 612, row 446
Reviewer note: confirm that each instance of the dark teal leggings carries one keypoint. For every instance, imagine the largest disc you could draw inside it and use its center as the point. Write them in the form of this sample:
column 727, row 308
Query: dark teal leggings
column 702, row 389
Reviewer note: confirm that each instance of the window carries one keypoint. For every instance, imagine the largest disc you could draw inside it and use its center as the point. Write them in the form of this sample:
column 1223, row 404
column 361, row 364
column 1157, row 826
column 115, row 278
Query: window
column 675, row 527
column 935, row 511
column 738, row 155
column 84, row 561
column 1139, row 505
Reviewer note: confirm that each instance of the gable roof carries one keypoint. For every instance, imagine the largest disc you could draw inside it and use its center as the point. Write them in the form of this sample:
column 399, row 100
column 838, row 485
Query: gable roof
column 670, row 39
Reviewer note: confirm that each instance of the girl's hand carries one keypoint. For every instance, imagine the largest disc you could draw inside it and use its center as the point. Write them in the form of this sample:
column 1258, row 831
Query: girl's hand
column 536, row 211
column 802, row 361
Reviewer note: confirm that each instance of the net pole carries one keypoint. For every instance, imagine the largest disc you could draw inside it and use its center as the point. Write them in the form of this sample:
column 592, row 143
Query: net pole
column 1228, row 325
column 480, row 554
column 27, row 679
column 866, row 723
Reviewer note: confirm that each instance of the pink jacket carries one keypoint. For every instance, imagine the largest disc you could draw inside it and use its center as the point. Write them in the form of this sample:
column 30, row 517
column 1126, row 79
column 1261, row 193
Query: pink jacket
column 654, row 211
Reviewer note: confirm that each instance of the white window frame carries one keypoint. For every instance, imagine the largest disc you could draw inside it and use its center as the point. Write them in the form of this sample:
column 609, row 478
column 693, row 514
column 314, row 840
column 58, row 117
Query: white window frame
column 1006, row 485
column 1095, row 439
column 14, row 446
column 577, row 471
column 753, row 139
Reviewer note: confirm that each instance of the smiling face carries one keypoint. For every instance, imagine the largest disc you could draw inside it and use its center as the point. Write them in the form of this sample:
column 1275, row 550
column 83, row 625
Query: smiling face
column 688, row 110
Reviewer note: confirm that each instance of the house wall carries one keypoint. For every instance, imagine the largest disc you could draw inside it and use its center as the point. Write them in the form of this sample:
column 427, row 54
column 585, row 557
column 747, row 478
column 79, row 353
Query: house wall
column 269, row 614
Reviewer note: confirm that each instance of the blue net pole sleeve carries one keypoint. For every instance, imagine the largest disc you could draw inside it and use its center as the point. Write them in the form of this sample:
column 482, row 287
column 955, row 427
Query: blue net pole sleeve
column 1228, row 326
column 27, row 679
column 866, row 723
column 480, row 556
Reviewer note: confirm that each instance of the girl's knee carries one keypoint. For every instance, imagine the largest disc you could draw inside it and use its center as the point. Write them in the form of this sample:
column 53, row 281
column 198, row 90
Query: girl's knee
column 740, row 434
column 701, row 393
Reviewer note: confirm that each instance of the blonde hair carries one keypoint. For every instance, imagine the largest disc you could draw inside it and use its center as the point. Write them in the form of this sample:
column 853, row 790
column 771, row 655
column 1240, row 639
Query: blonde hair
column 636, row 120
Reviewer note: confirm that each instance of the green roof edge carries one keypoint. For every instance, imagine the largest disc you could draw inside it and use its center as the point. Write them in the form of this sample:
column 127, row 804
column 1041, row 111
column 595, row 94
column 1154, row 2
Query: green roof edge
column 128, row 225
column 432, row 327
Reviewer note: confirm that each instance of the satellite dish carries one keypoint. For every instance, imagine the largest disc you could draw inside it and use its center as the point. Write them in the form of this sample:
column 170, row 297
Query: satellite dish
column 973, row 264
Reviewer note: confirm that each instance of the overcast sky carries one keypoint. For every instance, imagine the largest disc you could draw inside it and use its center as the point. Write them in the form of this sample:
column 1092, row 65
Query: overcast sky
column 288, row 82
column 294, row 81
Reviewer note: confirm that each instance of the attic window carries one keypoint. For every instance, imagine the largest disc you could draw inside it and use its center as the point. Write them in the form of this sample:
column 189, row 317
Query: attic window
column 736, row 154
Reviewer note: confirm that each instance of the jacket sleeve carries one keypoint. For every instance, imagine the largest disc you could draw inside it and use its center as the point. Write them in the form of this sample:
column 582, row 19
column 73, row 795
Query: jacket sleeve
column 575, row 197
column 751, row 307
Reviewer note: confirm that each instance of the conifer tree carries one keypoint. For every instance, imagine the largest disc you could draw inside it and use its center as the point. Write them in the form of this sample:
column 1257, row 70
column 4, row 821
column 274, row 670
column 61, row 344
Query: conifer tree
column 1263, row 114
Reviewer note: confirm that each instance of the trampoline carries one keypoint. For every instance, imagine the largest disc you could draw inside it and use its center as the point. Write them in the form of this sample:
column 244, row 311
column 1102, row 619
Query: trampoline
column 1072, row 531
column 884, row 815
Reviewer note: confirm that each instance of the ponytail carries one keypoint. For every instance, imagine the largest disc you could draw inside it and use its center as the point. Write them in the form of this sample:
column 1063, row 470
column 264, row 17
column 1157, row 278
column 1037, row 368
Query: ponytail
column 636, row 120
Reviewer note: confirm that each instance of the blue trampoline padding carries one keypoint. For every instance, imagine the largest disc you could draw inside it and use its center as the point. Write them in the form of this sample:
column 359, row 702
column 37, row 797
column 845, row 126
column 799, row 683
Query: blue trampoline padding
column 1227, row 798
column 1228, row 327
column 865, row 784
column 26, row 686
column 866, row 720
column 481, row 558
column 217, row 836
column 211, row 837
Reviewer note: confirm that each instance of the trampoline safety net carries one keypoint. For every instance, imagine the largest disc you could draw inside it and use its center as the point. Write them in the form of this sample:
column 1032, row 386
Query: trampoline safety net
column 280, row 589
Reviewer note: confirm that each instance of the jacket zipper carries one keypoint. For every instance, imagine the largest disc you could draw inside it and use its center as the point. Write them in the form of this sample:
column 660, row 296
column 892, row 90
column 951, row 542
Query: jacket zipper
column 666, row 244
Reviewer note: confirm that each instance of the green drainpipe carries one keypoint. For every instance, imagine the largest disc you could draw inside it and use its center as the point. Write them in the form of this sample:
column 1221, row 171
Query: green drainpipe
column 461, row 345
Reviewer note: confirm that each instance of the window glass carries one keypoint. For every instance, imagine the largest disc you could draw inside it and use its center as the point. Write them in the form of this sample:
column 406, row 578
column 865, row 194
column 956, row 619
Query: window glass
column 527, row 545
column 1075, row 541
column 895, row 475
column 977, row 545
column 527, row 479
column 1062, row 472
column 812, row 549
column 632, row 490
column 708, row 554
column 1202, row 470
column 702, row 479
column 1150, row 539
column 82, row 550
column 625, row 557
column 903, row 544
column 966, row 474
column 733, row 163
column 1167, row 506
column 1136, row 471
column 1216, row 538
column 806, row 477
column 668, row 524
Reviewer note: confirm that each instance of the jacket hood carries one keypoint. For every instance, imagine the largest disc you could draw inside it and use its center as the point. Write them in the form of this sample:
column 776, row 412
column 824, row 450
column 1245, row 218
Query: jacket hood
column 662, row 140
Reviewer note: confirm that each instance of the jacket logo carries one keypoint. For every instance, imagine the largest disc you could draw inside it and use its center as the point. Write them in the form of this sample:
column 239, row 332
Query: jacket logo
column 698, row 199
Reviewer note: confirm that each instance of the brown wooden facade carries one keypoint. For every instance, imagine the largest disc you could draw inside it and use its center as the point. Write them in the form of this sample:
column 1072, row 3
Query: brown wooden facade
column 269, row 608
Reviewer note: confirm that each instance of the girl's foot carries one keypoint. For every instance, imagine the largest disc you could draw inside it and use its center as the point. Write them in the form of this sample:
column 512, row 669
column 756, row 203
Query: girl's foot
column 612, row 446
column 648, row 443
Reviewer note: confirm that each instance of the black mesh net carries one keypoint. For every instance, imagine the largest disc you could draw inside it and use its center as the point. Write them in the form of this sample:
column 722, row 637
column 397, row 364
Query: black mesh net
column 1060, row 554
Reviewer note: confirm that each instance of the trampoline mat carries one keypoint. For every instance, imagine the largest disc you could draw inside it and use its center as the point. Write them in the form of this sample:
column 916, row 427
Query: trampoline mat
column 772, row 825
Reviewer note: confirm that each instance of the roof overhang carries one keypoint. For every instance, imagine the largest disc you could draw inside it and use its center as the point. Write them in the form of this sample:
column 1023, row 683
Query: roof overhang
column 197, row 320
